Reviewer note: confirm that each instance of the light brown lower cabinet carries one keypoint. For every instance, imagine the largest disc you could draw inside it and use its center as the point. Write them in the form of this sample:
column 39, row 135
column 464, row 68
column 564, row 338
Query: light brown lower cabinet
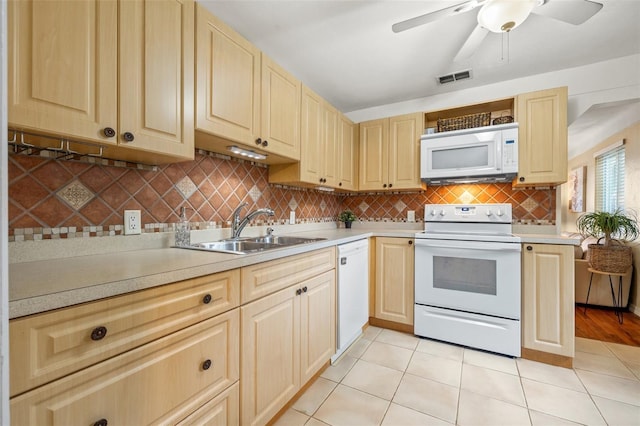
column 162, row 382
column 394, row 280
column 286, row 338
column 548, row 299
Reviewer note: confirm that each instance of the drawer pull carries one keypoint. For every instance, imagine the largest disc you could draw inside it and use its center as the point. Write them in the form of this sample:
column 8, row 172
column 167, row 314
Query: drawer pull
column 98, row 333
column 101, row 422
column 206, row 299
column 304, row 289
column 298, row 292
column 206, row 365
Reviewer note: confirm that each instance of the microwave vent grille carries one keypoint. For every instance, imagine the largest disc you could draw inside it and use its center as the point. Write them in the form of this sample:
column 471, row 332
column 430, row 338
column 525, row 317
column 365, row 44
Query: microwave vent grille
column 456, row 76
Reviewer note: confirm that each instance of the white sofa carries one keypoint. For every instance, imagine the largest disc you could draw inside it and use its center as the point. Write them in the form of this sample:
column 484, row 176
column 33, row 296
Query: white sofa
column 600, row 289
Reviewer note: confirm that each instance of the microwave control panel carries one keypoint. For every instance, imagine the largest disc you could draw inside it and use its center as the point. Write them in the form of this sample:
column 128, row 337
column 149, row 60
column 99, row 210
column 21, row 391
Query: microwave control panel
column 510, row 149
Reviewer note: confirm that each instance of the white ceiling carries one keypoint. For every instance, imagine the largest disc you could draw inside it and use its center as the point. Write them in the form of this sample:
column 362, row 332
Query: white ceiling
column 346, row 52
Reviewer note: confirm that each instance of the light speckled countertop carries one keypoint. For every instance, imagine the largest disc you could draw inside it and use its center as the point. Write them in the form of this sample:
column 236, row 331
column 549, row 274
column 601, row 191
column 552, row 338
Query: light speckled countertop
column 42, row 285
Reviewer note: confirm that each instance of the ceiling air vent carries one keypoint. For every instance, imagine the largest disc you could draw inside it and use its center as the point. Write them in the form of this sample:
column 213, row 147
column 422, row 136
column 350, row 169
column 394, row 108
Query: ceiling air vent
column 450, row 78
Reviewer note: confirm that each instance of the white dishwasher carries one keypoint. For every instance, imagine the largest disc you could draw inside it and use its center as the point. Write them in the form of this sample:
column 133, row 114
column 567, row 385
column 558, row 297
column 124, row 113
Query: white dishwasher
column 353, row 293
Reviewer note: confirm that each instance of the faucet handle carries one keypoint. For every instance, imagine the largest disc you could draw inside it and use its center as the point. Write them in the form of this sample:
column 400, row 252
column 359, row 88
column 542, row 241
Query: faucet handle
column 269, row 231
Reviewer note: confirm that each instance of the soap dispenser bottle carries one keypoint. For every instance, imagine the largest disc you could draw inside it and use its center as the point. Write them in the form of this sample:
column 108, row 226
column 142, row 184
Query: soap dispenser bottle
column 183, row 230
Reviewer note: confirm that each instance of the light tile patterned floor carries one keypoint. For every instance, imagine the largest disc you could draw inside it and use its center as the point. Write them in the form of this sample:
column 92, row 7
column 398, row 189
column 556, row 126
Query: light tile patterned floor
column 394, row 379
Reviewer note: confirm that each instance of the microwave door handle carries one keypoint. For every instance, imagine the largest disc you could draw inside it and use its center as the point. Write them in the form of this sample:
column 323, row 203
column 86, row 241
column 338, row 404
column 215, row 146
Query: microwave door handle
column 499, row 152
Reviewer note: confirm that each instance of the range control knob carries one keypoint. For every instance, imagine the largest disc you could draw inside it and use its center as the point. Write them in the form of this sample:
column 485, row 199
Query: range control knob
column 442, row 212
column 500, row 213
column 489, row 213
column 433, row 212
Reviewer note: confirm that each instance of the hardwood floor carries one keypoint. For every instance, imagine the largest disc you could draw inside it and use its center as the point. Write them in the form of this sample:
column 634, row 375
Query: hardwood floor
column 602, row 324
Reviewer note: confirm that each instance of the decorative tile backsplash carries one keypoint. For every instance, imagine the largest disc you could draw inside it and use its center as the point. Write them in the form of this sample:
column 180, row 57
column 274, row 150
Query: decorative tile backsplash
column 530, row 206
column 51, row 198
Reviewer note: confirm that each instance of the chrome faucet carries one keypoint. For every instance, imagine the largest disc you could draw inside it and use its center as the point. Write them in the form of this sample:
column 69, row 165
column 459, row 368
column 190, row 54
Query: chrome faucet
column 237, row 224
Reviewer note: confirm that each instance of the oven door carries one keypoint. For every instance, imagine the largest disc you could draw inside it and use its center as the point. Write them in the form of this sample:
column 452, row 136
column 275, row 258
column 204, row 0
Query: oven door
column 470, row 276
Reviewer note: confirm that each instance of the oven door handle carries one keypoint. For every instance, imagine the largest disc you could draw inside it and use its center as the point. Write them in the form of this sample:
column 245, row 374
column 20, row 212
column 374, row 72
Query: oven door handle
column 468, row 245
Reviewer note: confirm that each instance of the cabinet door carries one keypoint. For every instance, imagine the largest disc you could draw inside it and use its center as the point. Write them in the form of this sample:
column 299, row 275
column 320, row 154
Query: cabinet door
column 160, row 383
column 318, row 323
column 404, row 151
column 312, row 143
column 330, row 149
column 394, row 280
column 347, row 157
column 270, row 359
column 374, row 143
column 63, row 71
column 280, row 110
column 542, row 137
column 548, row 298
column 156, row 76
column 227, row 82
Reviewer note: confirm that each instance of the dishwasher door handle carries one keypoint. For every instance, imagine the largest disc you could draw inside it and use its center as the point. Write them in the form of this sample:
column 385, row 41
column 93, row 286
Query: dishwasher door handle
column 343, row 260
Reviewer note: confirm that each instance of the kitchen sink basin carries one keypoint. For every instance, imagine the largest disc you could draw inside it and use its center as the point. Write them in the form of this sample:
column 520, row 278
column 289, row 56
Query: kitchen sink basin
column 251, row 245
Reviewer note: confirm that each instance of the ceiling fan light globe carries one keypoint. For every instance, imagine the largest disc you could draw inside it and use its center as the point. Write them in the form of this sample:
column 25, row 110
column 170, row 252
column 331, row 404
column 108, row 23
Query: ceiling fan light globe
column 500, row 16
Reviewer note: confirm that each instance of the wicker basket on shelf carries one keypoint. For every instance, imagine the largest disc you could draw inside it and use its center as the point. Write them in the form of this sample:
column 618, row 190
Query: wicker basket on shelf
column 464, row 122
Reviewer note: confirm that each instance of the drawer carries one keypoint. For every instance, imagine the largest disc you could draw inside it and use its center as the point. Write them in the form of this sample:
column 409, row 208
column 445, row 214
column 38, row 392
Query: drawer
column 265, row 278
column 158, row 383
column 224, row 409
column 48, row 346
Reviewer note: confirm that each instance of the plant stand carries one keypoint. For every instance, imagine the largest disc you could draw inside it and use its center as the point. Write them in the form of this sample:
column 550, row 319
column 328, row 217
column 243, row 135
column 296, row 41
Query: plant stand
column 617, row 304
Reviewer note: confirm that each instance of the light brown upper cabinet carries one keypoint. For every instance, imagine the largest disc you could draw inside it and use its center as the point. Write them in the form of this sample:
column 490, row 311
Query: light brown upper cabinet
column 347, row 160
column 243, row 96
column 327, row 144
column 390, row 153
column 542, row 137
column 119, row 74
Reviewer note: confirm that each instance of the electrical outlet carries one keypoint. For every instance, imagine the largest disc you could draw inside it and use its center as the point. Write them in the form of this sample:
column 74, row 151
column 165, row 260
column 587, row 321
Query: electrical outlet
column 292, row 217
column 411, row 216
column 132, row 223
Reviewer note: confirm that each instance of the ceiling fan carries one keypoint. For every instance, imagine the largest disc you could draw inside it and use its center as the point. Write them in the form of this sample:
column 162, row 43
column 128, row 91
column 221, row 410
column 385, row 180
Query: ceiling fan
column 502, row 16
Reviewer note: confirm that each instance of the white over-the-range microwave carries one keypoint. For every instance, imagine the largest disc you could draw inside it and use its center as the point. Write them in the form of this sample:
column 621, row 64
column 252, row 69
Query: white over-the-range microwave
column 483, row 154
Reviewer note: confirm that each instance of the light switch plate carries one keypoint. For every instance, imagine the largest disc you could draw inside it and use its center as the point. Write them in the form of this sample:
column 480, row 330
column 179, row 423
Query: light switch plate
column 411, row 216
column 292, row 217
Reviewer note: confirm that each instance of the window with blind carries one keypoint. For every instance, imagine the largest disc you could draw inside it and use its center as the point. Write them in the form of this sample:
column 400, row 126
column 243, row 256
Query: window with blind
column 610, row 180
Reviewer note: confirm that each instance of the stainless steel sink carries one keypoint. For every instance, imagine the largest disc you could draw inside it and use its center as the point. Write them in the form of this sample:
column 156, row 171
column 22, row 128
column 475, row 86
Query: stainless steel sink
column 251, row 245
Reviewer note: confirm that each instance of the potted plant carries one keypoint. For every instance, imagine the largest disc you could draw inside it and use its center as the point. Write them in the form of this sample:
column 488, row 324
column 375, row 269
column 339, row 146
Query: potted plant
column 347, row 216
column 615, row 228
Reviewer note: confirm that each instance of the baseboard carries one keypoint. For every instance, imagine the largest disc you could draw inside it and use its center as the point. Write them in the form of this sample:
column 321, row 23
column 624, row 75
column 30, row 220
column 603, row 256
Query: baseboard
column 635, row 309
column 391, row 325
column 547, row 358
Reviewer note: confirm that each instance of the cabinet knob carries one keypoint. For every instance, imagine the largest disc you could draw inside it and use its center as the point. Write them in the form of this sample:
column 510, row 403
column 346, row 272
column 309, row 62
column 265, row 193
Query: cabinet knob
column 101, row 422
column 206, row 364
column 384, row 185
column 304, row 289
column 521, row 178
column 206, row 299
column 298, row 292
column 529, row 248
column 98, row 333
column 390, row 185
column 265, row 143
column 340, row 184
column 109, row 132
column 410, row 242
column 128, row 136
column 258, row 141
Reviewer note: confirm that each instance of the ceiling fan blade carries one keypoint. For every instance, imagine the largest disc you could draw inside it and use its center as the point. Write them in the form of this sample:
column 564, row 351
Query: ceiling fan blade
column 574, row 12
column 434, row 16
column 471, row 44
